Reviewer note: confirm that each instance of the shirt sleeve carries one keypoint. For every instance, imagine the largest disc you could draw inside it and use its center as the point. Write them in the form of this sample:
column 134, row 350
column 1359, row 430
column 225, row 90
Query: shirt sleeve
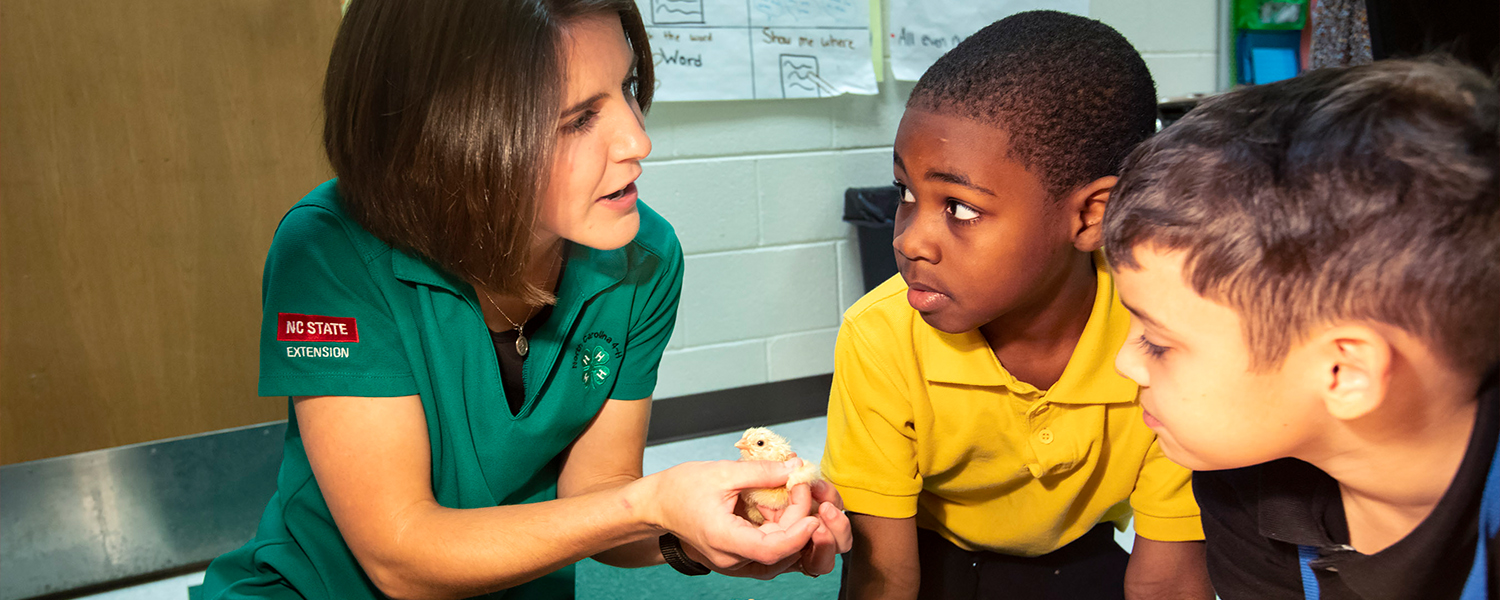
column 1163, row 502
column 652, row 322
column 326, row 327
column 871, row 449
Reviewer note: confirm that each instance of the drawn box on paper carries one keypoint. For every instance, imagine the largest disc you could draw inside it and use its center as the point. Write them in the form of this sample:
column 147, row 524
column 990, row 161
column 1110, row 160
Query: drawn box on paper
column 677, row 12
column 800, row 77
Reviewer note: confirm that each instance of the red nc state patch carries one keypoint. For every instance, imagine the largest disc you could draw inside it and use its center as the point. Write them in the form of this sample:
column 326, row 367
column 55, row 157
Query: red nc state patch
column 292, row 327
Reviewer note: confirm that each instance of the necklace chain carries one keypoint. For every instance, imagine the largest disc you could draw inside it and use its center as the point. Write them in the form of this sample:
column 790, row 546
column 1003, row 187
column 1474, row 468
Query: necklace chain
column 513, row 324
column 522, row 346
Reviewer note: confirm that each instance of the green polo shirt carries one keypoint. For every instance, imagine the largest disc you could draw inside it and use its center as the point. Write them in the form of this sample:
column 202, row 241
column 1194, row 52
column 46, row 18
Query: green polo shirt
column 347, row 315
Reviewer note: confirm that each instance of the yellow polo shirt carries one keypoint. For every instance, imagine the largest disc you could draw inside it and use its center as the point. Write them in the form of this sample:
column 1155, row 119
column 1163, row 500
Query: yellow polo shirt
column 929, row 424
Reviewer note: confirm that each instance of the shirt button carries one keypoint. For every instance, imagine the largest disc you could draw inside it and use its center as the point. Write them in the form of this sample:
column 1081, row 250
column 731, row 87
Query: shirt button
column 1045, row 436
column 1036, row 470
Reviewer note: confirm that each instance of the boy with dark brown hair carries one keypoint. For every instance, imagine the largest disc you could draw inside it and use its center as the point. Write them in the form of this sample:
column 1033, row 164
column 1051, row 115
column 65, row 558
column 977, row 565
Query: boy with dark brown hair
column 1313, row 267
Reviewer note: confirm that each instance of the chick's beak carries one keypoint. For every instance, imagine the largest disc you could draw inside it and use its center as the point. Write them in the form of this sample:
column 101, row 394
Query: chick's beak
column 742, row 445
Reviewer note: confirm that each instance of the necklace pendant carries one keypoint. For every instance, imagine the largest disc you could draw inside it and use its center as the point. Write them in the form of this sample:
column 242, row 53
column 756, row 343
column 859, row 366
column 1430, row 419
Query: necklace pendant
column 522, row 346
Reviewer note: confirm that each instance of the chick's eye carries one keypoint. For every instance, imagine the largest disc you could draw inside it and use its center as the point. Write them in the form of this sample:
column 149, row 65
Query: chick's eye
column 760, row 443
column 962, row 211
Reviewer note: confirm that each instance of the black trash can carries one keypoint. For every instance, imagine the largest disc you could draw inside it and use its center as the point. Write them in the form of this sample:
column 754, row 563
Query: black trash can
column 872, row 211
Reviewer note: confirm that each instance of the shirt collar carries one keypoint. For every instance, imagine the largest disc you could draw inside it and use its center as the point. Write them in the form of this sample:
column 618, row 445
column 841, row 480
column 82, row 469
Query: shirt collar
column 1300, row 504
column 414, row 269
column 1090, row 377
column 589, row 271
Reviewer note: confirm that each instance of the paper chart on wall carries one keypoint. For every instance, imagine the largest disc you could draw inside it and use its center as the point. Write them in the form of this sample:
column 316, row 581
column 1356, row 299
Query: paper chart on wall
column 751, row 49
column 922, row 30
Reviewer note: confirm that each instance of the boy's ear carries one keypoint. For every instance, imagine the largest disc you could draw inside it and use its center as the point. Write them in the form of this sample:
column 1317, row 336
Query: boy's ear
column 1355, row 365
column 1085, row 207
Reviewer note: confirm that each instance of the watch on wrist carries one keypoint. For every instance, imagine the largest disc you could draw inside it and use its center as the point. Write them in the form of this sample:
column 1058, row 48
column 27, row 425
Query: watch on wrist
column 671, row 549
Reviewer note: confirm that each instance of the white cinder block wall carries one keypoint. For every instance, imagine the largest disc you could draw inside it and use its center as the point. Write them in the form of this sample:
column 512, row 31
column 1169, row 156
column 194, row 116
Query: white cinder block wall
column 755, row 191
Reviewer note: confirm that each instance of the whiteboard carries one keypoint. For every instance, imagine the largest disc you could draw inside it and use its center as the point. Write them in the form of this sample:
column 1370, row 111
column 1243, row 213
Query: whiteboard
column 757, row 49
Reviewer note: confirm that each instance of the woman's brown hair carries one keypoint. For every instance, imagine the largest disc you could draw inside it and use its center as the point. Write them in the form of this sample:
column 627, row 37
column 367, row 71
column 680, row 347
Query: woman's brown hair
column 440, row 118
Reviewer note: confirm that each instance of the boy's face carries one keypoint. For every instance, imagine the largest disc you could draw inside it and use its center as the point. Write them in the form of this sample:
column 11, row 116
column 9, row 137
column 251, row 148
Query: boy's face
column 1190, row 357
column 977, row 235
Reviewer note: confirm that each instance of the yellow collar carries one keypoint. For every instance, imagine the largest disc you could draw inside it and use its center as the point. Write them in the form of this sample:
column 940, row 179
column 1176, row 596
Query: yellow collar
column 1090, row 377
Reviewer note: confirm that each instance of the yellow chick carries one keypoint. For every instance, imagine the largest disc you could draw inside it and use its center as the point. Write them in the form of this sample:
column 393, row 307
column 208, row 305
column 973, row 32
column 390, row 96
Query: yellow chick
column 760, row 443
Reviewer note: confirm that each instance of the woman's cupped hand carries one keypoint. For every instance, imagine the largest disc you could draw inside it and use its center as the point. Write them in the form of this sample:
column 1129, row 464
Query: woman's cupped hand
column 697, row 502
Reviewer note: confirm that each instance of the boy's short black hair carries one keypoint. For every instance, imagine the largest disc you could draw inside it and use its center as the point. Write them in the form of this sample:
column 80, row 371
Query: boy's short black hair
column 1073, row 94
column 1349, row 194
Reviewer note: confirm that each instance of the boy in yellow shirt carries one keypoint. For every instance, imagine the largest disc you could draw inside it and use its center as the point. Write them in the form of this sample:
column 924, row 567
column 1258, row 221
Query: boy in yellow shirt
column 977, row 430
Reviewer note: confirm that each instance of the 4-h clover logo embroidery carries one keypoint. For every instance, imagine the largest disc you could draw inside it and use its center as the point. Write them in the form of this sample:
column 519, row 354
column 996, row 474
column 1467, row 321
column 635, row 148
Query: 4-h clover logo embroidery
column 592, row 355
column 595, row 363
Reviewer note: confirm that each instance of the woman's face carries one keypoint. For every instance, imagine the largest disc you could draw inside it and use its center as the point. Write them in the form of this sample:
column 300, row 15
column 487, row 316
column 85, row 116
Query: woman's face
column 590, row 197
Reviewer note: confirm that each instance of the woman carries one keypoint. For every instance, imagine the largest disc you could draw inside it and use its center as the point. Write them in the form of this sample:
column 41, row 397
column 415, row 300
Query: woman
column 469, row 321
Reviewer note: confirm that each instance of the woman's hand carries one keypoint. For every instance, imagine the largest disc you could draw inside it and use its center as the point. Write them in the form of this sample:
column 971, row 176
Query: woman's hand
column 793, row 514
column 805, row 536
column 696, row 501
column 834, row 535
